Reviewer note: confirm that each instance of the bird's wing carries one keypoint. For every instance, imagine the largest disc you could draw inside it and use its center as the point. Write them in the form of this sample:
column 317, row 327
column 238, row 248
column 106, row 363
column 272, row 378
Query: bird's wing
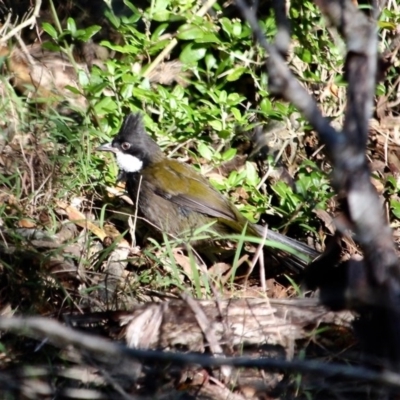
column 195, row 193
column 190, row 190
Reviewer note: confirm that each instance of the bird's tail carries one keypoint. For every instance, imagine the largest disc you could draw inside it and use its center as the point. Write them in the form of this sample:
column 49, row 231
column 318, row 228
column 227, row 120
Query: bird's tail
column 302, row 253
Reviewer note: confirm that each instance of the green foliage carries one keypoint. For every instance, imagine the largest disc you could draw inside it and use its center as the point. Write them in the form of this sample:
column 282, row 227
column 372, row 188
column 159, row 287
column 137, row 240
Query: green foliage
column 226, row 93
column 392, row 191
column 312, row 191
column 219, row 52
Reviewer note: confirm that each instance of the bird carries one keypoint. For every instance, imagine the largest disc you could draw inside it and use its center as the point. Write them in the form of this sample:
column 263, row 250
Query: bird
column 174, row 197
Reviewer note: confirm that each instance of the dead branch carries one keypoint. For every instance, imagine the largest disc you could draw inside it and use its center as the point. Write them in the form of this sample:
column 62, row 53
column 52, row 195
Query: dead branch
column 282, row 37
column 351, row 174
column 251, row 322
column 30, row 21
column 104, row 350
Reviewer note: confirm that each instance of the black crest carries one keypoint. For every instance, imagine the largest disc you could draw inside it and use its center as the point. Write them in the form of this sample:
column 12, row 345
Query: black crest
column 132, row 127
column 142, row 145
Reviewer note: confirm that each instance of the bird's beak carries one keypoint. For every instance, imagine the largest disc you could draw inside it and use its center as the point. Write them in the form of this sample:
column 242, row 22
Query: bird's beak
column 107, row 147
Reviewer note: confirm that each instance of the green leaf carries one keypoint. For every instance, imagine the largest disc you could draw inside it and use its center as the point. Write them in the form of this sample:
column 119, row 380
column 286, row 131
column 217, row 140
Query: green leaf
column 387, row 25
column 232, row 179
column 235, row 74
column 227, row 26
column 179, row 92
column 246, row 32
column 294, row 13
column 159, row 31
column 72, row 89
column 86, row 34
column 237, row 29
column 305, row 55
column 161, row 5
column 282, row 189
column 205, row 151
column 128, row 48
column 236, row 113
column 216, row 125
column 252, row 177
column 189, row 32
column 229, row 154
column 105, row 105
column 211, row 61
column 395, row 206
column 50, row 46
column 71, row 26
column 115, row 21
column 127, row 91
column 265, row 105
column 192, row 53
column 223, row 96
column 83, row 77
column 129, row 78
column 96, row 88
column 162, row 16
column 235, row 98
column 208, row 38
column 49, row 29
column 223, row 65
column 172, row 103
column 160, row 45
column 134, row 10
column 393, row 182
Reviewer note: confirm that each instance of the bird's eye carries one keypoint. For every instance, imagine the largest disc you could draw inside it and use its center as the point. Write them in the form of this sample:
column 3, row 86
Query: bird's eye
column 125, row 145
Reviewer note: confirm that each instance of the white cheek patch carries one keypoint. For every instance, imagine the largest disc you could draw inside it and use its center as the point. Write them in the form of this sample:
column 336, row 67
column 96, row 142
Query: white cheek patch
column 128, row 163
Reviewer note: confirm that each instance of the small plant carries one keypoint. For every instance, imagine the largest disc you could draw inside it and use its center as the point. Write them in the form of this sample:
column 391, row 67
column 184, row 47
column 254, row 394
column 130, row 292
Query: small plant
column 312, row 191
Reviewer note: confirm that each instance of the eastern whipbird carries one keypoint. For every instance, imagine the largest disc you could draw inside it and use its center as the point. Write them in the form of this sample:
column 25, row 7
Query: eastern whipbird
column 174, row 197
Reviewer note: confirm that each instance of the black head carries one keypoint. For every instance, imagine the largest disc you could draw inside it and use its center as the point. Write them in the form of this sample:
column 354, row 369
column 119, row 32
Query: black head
column 133, row 147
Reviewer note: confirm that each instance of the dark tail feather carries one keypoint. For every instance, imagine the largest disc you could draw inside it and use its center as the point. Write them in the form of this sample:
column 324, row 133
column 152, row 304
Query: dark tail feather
column 303, row 254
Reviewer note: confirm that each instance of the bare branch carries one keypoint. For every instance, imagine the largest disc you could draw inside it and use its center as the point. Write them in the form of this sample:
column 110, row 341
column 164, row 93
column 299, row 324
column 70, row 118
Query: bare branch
column 282, row 37
column 361, row 42
column 283, row 82
column 30, row 21
column 105, row 350
column 351, row 174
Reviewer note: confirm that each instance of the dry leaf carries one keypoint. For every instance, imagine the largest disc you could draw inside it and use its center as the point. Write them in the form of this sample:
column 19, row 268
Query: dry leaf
column 26, row 223
column 327, row 220
column 334, row 89
column 119, row 191
column 379, row 186
column 219, row 269
column 79, row 219
column 183, row 261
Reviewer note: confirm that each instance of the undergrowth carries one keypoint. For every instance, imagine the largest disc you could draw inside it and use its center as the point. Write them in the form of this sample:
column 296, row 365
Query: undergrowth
column 216, row 115
column 208, row 119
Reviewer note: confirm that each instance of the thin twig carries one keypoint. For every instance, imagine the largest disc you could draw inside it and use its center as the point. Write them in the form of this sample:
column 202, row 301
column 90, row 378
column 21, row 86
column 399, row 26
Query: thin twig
column 132, row 226
column 30, row 21
column 25, row 50
column 257, row 256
